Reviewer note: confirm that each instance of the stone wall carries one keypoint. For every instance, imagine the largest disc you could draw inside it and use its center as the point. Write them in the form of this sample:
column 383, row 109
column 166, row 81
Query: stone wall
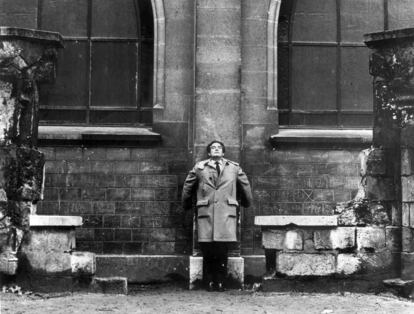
column 128, row 198
column 297, row 181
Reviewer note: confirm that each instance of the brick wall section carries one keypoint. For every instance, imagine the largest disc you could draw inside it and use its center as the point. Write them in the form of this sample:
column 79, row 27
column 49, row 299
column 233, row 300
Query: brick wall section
column 297, row 181
column 128, row 198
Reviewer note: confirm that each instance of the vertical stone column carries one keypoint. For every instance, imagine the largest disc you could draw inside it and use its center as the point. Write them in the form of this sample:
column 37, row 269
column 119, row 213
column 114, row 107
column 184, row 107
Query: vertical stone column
column 27, row 58
column 392, row 66
column 217, row 113
column 217, row 78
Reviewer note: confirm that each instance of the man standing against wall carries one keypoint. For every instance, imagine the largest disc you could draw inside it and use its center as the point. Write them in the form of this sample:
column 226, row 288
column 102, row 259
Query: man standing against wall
column 217, row 184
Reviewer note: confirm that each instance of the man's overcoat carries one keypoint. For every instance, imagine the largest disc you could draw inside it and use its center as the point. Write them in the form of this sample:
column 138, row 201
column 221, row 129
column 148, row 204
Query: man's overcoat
column 217, row 199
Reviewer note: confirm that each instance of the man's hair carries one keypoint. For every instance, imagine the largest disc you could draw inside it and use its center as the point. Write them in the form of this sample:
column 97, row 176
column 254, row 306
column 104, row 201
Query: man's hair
column 215, row 141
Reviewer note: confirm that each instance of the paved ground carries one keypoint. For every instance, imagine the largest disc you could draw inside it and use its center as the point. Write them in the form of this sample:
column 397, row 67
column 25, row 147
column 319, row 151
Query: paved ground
column 172, row 299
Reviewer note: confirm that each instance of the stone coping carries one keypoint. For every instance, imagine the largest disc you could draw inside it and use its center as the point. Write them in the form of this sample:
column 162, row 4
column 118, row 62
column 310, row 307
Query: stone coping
column 371, row 39
column 300, row 221
column 31, row 34
column 339, row 136
column 54, row 221
column 97, row 134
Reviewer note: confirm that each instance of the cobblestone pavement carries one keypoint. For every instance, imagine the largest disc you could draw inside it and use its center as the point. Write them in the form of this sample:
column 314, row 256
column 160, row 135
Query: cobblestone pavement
column 170, row 299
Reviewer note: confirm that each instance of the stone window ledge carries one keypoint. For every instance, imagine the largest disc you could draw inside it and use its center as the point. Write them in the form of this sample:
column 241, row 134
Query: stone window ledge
column 81, row 135
column 319, row 136
column 300, row 221
column 54, row 221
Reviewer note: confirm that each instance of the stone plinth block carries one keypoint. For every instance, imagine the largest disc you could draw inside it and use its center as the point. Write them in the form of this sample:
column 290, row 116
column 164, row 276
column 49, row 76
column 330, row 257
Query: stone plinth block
column 110, row 285
column 83, row 263
column 407, row 266
column 254, row 265
column 371, row 238
column 143, row 268
column 273, row 239
column 279, row 220
column 235, row 271
column 348, row 264
column 407, row 239
column 8, row 263
column 293, row 240
column 299, row 264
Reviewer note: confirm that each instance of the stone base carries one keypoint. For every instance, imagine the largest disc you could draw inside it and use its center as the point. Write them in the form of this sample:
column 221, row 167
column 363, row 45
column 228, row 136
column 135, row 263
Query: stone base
column 110, row 285
column 403, row 288
column 235, row 271
column 323, row 285
column 143, row 268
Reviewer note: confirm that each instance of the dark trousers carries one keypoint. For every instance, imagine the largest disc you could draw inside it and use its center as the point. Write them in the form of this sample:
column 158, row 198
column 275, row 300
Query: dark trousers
column 214, row 261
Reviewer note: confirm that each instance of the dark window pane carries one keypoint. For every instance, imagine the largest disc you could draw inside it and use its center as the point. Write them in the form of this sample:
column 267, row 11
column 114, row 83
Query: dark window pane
column 315, row 20
column 114, row 18
column 18, row 13
column 113, row 117
column 68, row 17
column 71, row 85
column 356, row 83
column 114, row 69
column 314, row 78
column 145, row 73
column 147, row 23
column 357, row 120
column 359, row 17
column 62, row 116
column 283, row 77
column 400, row 14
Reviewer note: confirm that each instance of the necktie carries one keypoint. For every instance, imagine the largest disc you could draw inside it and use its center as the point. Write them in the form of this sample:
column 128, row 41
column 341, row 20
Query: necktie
column 218, row 168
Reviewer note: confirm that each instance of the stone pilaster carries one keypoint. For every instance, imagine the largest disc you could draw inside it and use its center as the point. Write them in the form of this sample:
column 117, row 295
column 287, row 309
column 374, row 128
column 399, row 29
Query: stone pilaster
column 27, row 58
column 217, row 78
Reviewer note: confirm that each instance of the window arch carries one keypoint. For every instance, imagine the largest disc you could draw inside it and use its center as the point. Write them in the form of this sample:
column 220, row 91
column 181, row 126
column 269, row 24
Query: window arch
column 323, row 77
column 105, row 73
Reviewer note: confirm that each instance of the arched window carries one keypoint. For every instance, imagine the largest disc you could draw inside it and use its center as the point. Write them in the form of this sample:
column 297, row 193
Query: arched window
column 105, row 71
column 323, row 63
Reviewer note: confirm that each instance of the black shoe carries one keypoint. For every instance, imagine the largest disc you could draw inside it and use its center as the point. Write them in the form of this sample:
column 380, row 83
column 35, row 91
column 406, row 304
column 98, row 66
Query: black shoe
column 220, row 287
column 210, row 286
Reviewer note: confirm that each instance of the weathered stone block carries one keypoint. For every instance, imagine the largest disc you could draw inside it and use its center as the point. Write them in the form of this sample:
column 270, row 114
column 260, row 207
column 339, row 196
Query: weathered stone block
column 407, row 192
column 254, row 265
column 348, row 264
column 293, row 240
column 273, row 239
column 376, row 163
column 343, row 238
column 322, row 239
column 110, row 285
column 393, row 238
column 83, row 263
column 299, row 264
column 407, row 266
column 407, row 239
column 379, row 262
column 407, row 161
column 370, row 238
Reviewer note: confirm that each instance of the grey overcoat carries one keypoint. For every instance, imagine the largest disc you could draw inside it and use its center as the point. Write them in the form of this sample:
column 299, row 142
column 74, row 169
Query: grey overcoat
column 217, row 199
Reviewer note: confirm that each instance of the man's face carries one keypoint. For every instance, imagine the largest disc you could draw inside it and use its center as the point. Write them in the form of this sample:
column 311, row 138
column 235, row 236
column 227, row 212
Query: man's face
column 216, row 151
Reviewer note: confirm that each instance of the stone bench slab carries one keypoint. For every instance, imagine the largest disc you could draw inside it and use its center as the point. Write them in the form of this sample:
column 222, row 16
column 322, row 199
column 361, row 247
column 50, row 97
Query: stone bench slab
column 303, row 221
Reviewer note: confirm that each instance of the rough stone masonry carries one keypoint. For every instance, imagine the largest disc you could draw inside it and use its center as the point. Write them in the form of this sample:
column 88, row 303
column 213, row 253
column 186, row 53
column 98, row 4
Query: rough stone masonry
column 27, row 58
